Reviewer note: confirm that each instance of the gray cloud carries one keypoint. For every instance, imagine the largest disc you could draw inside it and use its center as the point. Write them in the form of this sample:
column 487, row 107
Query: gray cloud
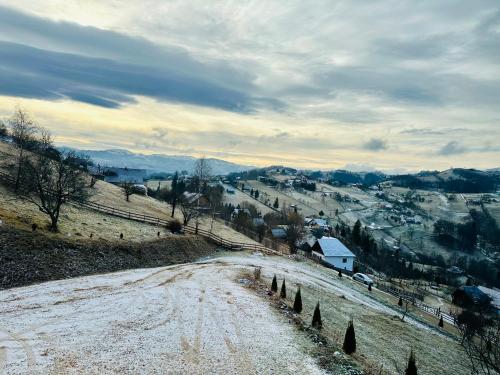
column 124, row 67
column 452, row 148
column 375, row 144
column 430, row 131
column 34, row 73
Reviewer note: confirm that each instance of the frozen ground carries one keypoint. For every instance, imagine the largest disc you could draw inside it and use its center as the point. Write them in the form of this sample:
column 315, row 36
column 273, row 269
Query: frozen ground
column 195, row 319
column 192, row 319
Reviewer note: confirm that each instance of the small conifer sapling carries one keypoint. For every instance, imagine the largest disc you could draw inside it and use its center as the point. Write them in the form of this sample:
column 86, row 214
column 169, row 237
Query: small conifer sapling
column 297, row 304
column 283, row 290
column 411, row 369
column 316, row 321
column 274, row 285
column 349, row 339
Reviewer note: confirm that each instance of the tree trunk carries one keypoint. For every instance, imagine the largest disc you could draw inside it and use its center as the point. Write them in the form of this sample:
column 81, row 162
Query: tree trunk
column 18, row 175
column 53, row 223
column 174, row 203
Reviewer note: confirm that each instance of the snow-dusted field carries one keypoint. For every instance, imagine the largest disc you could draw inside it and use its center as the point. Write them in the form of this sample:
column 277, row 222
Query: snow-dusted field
column 199, row 319
column 192, row 319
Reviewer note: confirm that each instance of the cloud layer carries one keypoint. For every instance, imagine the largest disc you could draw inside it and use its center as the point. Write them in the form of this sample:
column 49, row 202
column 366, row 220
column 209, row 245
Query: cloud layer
column 329, row 84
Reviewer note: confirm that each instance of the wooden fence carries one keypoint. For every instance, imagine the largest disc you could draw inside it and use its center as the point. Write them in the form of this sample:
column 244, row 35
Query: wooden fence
column 413, row 298
column 143, row 218
column 417, row 302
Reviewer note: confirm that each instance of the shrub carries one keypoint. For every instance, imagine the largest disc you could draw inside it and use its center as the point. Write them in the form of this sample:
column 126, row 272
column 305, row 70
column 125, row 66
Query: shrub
column 411, row 369
column 3, row 130
column 297, row 304
column 274, row 285
column 283, row 290
column 316, row 321
column 174, row 226
column 349, row 339
column 256, row 273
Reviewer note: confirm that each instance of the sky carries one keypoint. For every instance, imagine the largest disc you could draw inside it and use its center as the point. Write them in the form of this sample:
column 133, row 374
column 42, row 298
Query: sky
column 389, row 85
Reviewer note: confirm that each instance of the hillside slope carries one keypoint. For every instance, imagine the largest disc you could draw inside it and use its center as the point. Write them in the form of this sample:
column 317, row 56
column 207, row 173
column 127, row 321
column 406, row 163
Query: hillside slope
column 27, row 258
column 200, row 318
column 76, row 221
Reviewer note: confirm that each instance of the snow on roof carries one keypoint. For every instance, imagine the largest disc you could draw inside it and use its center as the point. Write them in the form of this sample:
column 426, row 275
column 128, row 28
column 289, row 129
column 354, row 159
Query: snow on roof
column 332, row 247
column 494, row 294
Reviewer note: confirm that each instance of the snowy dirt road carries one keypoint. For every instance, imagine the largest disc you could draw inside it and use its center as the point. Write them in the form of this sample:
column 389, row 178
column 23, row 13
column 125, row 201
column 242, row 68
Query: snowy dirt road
column 192, row 319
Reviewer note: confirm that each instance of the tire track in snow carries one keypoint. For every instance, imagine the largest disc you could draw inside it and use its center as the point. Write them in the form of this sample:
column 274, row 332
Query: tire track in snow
column 26, row 348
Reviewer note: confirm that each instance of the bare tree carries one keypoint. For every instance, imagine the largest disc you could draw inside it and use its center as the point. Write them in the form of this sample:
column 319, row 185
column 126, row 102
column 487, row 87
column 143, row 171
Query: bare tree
column 481, row 342
column 128, row 189
column 53, row 179
column 189, row 210
column 295, row 230
column 23, row 132
column 202, row 173
column 3, row 130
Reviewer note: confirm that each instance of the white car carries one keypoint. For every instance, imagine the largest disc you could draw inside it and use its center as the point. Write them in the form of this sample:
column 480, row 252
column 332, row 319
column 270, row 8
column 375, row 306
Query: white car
column 361, row 277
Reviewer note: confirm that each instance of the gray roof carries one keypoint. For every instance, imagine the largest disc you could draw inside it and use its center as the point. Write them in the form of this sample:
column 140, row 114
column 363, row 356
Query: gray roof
column 332, row 247
column 278, row 232
column 258, row 221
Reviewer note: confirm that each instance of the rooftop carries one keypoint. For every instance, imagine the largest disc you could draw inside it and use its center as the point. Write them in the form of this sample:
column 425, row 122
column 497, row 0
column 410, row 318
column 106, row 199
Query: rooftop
column 332, row 247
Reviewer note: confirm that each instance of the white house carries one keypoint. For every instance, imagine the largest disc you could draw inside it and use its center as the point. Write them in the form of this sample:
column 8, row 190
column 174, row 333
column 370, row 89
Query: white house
column 334, row 252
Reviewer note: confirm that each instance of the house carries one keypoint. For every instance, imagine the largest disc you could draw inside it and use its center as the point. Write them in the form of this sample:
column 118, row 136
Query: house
column 237, row 211
column 198, row 199
column 258, row 221
column 334, row 252
column 279, row 233
column 316, row 223
column 494, row 295
column 120, row 175
column 468, row 295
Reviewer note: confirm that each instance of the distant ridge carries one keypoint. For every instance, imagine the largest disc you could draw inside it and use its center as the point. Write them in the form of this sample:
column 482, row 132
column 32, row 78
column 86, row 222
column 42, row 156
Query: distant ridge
column 157, row 163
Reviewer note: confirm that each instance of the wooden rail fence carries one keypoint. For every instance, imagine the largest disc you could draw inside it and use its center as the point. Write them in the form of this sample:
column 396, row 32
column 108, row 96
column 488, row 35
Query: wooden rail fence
column 410, row 297
column 233, row 245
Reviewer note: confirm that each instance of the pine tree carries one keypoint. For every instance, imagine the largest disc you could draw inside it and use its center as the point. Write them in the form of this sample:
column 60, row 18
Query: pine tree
column 356, row 232
column 349, row 339
column 411, row 369
column 274, row 285
column 297, row 304
column 283, row 290
column 441, row 323
column 400, row 302
column 316, row 322
column 276, row 203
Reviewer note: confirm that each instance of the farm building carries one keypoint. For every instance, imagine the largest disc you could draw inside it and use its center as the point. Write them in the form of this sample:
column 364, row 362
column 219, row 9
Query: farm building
column 279, row 233
column 120, row 175
column 334, row 252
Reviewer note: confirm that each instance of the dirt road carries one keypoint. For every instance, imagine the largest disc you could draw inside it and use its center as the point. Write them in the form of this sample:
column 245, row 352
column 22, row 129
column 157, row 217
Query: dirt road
column 192, row 319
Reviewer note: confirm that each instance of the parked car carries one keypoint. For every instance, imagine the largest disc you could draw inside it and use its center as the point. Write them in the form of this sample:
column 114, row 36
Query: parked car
column 361, row 277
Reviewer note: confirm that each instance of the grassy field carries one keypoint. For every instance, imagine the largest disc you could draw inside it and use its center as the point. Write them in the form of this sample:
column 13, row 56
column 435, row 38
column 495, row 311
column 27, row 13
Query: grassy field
column 383, row 339
column 75, row 221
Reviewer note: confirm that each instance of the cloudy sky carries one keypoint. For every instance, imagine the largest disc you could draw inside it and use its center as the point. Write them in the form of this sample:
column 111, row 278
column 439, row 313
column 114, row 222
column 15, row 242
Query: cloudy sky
column 392, row 85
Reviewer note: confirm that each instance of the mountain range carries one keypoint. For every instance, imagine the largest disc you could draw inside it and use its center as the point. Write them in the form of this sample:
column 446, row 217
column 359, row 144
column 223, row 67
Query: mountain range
column 157, row 163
